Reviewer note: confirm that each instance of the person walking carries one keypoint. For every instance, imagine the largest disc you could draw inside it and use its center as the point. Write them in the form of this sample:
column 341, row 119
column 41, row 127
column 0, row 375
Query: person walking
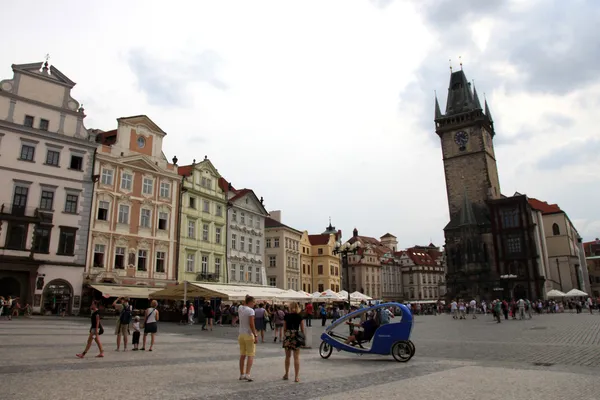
column 473, row 305
column 278, row 318
column 259, row 321
column 293, row 341
column 150, row 324
column 521, row 305
column 95, row 331
column 247, row 338
column 309, row 314
column 125, row 317
column 454, row 309
column 497, row 310
column 323, row 314
column 191, row 313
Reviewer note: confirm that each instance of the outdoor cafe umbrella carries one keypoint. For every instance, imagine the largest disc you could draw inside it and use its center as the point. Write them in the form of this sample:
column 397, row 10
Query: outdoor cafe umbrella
column 575, row 293
column 555, row 293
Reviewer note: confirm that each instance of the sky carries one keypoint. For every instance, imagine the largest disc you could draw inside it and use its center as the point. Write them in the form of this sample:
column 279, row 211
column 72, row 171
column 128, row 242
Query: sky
column 325, row 108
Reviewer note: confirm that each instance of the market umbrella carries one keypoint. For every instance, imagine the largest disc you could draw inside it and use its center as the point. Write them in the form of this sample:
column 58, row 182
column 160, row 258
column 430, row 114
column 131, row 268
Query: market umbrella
column 555, row 293
column 575, row 293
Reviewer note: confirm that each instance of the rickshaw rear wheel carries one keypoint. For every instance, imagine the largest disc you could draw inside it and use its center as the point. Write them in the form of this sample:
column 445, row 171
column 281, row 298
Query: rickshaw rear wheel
column 325, row 350
column 402, row 351
column 412, row 346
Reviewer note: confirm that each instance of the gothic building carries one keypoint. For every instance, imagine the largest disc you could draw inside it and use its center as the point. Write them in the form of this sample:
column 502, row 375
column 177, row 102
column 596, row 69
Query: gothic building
column 479, row 262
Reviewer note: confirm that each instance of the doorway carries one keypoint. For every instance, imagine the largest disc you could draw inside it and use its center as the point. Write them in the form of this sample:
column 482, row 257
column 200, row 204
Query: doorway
column 57, row 297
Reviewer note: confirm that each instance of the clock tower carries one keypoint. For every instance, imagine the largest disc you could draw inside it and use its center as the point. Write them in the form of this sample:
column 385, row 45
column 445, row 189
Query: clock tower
column 466, row 132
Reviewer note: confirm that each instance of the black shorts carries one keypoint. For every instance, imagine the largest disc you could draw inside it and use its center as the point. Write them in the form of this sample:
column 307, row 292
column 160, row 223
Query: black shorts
column 152, row 327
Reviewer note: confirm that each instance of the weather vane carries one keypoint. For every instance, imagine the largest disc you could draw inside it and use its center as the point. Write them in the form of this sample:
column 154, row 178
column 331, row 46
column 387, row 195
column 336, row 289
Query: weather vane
column 47, row 57
column 460, row 59
column 450, row 61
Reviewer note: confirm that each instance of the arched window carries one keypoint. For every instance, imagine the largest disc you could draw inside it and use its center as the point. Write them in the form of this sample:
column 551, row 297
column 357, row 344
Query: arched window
column 555, row 229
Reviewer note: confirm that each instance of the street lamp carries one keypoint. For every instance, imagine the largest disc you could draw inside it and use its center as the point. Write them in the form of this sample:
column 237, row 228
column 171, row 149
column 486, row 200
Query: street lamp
column 344, row 250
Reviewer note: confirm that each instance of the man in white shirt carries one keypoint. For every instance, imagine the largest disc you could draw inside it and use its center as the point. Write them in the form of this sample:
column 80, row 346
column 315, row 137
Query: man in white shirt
column 247, row 337
column 454, row 309
column 521, row 305
column 473, row 305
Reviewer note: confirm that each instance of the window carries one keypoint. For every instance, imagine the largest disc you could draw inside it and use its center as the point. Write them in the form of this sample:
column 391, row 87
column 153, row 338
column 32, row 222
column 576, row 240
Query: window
column 103, row 210
column 189, row 263
column 66, row 241
column 321, row 287
column 71, row 204
column 165, row 190
column 257, row 272
column 219, row 212
column 145, row 218
column 242, row 218
column 217, row 266
column 205, row 206
column 107, row 177
column 47, row 200
column 208, row 183
column 147, row 186
column 192, row 229
column 250, row 220
column 160, row 261
column 99, row 255
column 27, row 152
column 142, row 256
column 192, row 202
column 163, row 221
column 218, row 235
column 250, row 245
column 242, row 243
column 205, row 232
column 320, row 252
column 44, row 123
column 123, row 214
column 258, row 222
column 234, row 241
column 234, row 216
column 233, row 272
column 242, row 273
column 52, row 157
column 76, row 163
column 510, row 218
column 16, row 237
column 513, row 244
column 28, row 121
column 272, row 281
column 320, row 269
column 120, row 258
column 257, row 246
column 126, row 181
column 204, row 265
column 203, row 181
column 555, row 229
column 41, row 243
column 268, row 243
column 272, row 261
column 276, row 242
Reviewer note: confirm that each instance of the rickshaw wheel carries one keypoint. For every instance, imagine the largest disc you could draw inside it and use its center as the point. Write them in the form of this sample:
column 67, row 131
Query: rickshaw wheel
column 412, row 347
column 402, row 351
column 325, row 350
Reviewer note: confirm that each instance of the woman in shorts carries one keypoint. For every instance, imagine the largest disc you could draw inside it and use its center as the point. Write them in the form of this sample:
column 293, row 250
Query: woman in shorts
column 150, row 324
column 95, row 331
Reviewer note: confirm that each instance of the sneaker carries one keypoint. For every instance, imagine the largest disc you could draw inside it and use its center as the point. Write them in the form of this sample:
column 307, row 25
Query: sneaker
column 249, row 379
column 242, row 377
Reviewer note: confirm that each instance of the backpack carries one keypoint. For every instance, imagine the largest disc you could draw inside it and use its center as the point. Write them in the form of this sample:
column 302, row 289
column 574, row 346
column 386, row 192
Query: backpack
column 125, row 317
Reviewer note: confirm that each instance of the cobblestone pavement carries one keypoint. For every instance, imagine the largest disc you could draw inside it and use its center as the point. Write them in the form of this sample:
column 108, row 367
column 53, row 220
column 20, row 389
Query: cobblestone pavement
column 552, row 357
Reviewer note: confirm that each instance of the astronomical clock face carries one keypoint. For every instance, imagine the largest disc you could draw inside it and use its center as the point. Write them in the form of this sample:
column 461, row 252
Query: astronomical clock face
column 461, row 138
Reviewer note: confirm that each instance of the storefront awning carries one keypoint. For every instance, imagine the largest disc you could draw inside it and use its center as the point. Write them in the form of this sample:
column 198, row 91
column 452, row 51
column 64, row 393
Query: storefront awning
column 227, row 292
column 134, row 292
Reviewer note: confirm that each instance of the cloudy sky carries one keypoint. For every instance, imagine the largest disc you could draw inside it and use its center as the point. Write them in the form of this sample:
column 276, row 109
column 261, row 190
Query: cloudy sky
column 325, row 108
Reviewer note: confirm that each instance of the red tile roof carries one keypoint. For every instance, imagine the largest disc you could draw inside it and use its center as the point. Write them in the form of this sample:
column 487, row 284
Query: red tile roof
column 107, row 138
column 543, row 206
column 224, row 185
column 318, row 240
column 420, row 257
column 240, row 193
column 184, row 170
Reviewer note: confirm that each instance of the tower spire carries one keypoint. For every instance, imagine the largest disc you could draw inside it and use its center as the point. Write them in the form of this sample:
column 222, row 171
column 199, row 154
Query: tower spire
column 487, row 111
column 476, row 97
column 460, row 96
column 438, row 112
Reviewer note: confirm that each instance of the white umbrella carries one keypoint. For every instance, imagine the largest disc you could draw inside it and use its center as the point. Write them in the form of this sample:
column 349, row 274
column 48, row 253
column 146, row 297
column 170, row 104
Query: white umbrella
column 329, row 295
column 359, row 296
column 555, row 293
column 316, row 294
column 575, row 293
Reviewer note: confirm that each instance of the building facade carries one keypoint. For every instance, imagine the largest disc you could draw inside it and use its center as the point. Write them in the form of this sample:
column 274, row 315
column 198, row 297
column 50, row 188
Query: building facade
column 134, row 224
column 45, row 210
column 245, row 236
column 306, row 261
column 423, row 273
column 592, row 256
column 282, row 253
column 391, row 273
column 203, row 237
column 326, row 265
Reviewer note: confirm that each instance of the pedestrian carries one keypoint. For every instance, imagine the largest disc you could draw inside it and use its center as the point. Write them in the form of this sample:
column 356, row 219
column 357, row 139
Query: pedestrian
column 521, row 306
column 259, row 321
column 247, row 338
column 309, row 314
column 474, row 308
column 184, row 315
column 323, row 314
column 454, row 309
column 135, row 341
column 151, row 324
column 191, row 313
column 208, row 316
column 125, row 315
column 278, row 317
column 498, row 310
column 96, row 330
column 2, row 303
column 293, row 330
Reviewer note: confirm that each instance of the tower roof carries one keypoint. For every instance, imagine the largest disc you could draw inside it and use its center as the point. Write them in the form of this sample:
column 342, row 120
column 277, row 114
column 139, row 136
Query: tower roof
column 438, row 112
column 460, row 96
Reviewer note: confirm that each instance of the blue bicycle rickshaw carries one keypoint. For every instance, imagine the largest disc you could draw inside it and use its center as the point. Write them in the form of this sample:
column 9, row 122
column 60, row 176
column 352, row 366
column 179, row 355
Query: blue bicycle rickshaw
column 381, row 334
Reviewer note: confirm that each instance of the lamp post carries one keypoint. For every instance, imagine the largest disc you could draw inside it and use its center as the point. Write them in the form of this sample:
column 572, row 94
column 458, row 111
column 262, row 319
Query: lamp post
column 344, row 250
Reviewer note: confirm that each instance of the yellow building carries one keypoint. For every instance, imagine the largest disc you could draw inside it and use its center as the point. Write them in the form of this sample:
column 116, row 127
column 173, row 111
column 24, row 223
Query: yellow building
column 306, row 261
column 203, row 220
column 326, row 265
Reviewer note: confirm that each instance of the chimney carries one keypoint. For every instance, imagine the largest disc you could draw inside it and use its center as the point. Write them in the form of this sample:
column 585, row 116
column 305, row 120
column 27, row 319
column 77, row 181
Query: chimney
column 355, row 232
column 276, row 215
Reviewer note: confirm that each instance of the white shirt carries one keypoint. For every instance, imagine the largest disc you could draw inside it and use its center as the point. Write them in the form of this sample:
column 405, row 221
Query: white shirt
column 521, row 303
column 151, row 316
column 244, row 314
column 453, row 306
column 136, row 326
column 473, row 304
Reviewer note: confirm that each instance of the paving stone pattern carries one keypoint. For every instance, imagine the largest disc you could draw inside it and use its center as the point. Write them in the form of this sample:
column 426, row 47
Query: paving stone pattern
column 547, row 357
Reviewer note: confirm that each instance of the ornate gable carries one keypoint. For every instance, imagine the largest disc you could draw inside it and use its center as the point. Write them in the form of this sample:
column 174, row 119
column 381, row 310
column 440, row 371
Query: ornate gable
column 35, row 70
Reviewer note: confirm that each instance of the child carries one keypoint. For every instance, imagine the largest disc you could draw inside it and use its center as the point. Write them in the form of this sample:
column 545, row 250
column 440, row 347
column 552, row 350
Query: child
column 136, row 333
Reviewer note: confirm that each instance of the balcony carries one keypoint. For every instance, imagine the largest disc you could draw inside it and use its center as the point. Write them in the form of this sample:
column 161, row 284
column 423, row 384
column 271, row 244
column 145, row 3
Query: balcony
column 206, row 277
